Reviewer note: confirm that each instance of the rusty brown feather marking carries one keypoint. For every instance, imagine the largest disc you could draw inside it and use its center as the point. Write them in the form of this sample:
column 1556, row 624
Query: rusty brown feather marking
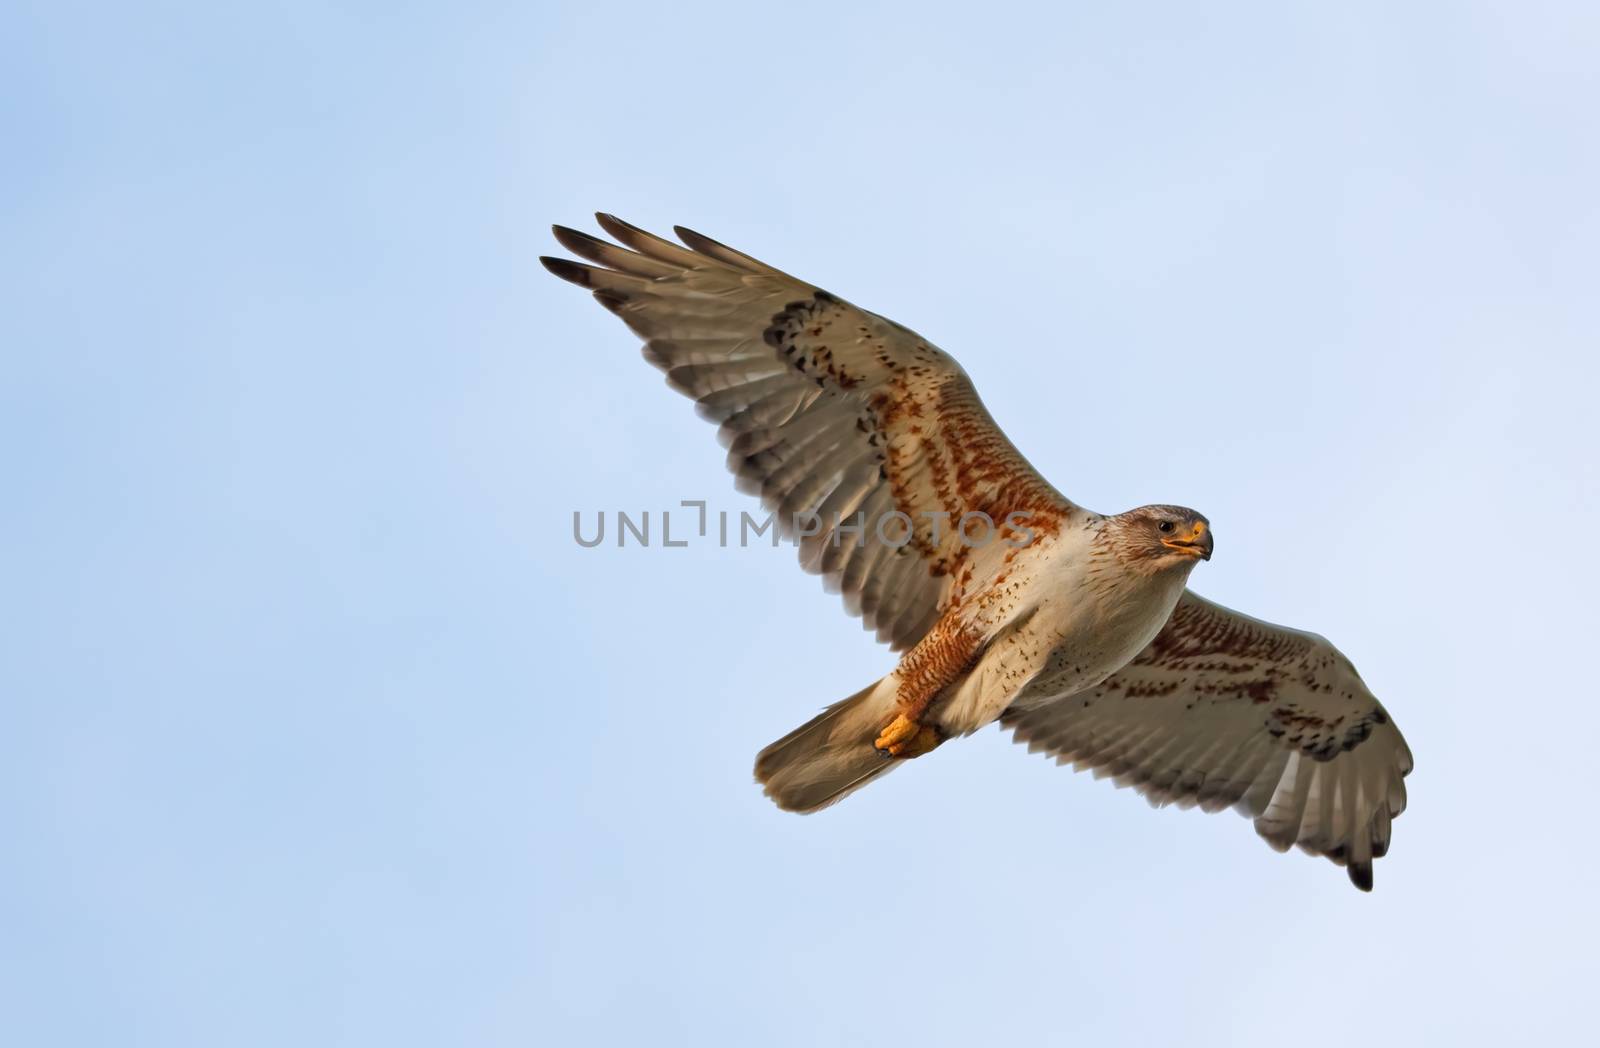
column 969, row 464
column 990, row 475
column 1191, row 632
column 1192, row 635
column 937, row 448
column 935, row 662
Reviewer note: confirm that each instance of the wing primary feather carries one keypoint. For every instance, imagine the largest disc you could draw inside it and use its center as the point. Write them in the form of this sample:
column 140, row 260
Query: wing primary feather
column 568, row 270
column 723, row 253
column 648, row 243
column 607, row 254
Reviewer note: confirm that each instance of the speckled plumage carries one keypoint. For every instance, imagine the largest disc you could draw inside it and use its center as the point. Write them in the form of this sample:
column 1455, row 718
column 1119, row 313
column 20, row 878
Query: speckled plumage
column 1072, row 628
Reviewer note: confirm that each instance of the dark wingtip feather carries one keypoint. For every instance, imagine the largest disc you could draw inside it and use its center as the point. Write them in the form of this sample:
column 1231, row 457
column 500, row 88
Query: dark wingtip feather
column 566, row 269
column 615, row 226
column 575, row 240
column 698, row 241
column 1361, row 875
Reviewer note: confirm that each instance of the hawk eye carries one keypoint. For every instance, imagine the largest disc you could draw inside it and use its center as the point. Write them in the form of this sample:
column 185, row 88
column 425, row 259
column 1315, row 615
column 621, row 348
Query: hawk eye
column 1165, row 525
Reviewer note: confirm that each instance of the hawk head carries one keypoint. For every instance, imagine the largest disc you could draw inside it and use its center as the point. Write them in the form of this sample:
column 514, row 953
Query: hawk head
column 1158, row 537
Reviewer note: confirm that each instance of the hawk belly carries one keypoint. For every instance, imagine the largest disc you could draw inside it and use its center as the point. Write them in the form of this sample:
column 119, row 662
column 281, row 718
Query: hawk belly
column 1077, row 630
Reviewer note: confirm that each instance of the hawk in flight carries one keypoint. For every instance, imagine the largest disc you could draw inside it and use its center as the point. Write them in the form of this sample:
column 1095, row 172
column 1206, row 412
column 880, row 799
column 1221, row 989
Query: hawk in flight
column 1009, row 602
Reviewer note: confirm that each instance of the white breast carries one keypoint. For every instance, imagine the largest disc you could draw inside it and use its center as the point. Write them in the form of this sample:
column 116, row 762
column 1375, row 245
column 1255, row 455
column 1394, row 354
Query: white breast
column 1073, row 622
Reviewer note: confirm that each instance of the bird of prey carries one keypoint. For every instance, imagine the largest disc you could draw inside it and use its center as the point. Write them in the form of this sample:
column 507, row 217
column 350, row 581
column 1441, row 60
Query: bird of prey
column 1073, row 629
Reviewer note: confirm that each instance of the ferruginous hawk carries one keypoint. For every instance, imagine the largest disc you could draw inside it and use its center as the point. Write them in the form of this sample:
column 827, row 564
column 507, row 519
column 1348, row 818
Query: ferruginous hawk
column 1072, row 628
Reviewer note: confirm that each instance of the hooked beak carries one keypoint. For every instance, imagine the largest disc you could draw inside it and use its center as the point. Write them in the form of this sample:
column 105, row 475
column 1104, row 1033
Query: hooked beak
column 1198, row 544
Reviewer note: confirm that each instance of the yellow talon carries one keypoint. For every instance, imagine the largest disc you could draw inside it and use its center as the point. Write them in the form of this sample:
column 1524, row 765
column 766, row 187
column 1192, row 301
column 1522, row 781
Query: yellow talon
column 896, row 731
column 907, row 738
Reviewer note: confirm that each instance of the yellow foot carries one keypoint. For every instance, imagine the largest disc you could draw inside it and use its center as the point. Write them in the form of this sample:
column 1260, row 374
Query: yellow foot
column 907, row 738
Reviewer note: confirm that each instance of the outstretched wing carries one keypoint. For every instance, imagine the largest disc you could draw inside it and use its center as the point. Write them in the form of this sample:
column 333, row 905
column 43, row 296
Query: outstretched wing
column 1222, row 710
column 832, row 414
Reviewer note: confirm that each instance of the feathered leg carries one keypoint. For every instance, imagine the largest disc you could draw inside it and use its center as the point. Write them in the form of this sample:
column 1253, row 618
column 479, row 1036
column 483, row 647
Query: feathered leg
column 937, row 661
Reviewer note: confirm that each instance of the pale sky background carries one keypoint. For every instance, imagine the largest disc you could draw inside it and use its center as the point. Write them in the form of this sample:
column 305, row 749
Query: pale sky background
column 318, row 728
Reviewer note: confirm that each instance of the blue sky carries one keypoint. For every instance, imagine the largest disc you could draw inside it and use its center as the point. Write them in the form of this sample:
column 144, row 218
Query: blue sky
column 318, row 728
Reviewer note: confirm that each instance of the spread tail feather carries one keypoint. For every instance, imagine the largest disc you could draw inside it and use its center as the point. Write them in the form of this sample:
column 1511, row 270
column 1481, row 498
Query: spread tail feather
column 830, row 755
